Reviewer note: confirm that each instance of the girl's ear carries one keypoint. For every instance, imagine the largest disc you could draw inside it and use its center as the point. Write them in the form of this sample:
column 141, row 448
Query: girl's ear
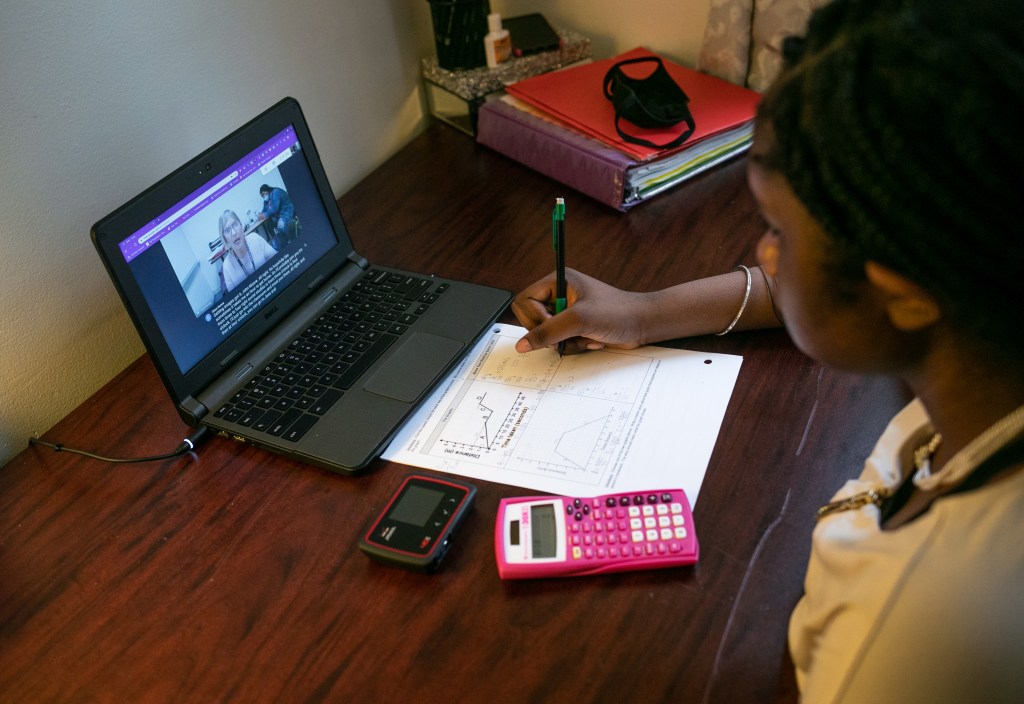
column 910, row 307
column 768, row 254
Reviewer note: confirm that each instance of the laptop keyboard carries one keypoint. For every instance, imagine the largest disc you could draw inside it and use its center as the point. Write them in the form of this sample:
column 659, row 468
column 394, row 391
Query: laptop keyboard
column 309, row 375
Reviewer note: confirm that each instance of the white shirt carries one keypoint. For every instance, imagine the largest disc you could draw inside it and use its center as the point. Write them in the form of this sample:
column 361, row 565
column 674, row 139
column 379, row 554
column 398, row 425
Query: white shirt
column 932, row 611
column 260, row 252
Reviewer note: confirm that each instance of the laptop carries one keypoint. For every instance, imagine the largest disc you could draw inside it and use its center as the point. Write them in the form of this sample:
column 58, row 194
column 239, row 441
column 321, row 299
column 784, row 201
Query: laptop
column 263, row 321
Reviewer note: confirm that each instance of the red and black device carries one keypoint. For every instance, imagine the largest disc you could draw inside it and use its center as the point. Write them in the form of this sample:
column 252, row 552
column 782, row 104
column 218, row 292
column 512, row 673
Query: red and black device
column 415, row 529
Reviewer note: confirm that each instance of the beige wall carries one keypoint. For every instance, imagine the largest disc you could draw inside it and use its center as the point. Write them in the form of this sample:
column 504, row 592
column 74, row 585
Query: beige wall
column 99, row 102
column 673, row 28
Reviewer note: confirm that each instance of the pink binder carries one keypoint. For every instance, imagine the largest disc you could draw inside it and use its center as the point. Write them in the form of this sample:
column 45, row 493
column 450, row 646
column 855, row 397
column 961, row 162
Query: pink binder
column 583, row 163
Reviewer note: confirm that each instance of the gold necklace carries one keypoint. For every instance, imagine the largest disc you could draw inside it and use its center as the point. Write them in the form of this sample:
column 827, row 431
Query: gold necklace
column 958, row 467
column 923, row 455
column 922, row 462
column 953, row 472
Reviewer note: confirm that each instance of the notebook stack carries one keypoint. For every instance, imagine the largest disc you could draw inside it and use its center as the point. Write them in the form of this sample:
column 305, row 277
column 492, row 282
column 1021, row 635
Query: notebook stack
column 562, row 125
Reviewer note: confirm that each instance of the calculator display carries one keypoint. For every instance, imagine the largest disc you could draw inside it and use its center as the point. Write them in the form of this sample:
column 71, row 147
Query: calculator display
column 542, row 530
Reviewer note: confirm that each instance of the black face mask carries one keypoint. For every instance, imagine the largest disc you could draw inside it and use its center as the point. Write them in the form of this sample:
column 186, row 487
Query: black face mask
column 651, row 102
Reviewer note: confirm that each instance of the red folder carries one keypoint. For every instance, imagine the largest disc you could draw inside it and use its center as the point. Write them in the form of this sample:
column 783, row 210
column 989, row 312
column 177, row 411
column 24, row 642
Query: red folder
column 576, row 96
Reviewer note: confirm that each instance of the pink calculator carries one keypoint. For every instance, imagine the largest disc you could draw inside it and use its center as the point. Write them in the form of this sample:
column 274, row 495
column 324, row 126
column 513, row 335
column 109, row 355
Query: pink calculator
column 558, row 536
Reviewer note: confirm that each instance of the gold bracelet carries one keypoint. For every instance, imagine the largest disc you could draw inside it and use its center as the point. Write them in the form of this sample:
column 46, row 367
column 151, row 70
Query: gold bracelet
column 743, row 305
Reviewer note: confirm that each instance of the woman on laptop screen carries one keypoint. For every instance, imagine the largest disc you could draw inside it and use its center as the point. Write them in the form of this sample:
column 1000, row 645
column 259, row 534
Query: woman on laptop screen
column 246, row 253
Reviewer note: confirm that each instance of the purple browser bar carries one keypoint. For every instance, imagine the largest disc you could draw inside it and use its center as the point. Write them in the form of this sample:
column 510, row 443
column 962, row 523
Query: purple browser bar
column 166, row 222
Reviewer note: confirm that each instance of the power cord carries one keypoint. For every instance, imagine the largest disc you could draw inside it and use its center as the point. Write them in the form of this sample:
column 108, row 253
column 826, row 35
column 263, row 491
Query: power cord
column 187, row 445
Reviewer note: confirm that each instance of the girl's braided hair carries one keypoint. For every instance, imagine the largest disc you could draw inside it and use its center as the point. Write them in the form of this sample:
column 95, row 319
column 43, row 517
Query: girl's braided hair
column 900, row 126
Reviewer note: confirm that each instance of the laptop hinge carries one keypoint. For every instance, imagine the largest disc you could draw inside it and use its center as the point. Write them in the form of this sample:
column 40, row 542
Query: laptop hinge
column 359, row 260
column 191, row 411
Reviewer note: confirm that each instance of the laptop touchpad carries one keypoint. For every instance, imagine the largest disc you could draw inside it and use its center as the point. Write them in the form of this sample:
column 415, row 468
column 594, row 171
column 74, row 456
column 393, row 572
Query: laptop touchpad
column 414, row 366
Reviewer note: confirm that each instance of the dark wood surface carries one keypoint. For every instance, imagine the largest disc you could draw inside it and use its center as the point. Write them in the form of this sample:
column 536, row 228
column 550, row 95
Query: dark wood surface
column 233, row 575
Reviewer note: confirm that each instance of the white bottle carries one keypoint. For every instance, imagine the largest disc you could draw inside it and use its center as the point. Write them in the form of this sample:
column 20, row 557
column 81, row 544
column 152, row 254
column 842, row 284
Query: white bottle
column 497, row 43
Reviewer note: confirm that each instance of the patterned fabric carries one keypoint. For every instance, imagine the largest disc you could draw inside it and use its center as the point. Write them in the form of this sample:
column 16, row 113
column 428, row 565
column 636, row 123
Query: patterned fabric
column 743, row 39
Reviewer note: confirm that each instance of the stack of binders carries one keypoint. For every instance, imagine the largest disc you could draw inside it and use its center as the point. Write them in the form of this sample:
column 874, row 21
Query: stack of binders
column 562, row 125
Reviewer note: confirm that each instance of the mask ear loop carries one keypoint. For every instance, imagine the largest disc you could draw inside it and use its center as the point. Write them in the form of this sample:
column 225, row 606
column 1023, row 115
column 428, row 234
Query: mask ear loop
column 691, row 126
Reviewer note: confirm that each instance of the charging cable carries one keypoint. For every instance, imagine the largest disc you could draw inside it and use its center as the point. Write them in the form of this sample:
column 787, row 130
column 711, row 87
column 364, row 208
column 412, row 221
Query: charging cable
column 187, row 445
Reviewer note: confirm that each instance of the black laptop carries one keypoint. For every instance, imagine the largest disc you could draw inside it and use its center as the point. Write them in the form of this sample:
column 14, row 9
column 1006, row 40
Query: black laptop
column 264, row 322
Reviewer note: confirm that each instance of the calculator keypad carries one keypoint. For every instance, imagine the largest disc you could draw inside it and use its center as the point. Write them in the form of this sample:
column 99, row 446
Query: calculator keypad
column 630, row 526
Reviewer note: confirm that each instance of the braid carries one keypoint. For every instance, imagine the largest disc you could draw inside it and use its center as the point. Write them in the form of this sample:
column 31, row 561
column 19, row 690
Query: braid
column 897, row 124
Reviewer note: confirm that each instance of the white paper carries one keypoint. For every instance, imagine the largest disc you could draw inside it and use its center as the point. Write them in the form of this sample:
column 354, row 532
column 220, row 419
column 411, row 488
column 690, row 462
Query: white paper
column 581, row 425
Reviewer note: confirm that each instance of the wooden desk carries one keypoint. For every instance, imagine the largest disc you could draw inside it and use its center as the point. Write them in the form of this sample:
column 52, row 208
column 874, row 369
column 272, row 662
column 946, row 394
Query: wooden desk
column 235, row 576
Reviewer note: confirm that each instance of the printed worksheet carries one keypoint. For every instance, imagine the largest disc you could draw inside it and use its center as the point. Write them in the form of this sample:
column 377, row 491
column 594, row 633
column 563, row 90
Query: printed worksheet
column 579, row 425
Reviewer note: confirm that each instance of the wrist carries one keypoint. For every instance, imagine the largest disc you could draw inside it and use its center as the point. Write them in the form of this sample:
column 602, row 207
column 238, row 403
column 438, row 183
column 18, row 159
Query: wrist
column 649, row 309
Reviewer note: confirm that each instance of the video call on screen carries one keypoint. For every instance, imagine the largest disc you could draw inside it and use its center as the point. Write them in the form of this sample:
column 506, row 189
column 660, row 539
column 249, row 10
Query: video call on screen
column 224, row 257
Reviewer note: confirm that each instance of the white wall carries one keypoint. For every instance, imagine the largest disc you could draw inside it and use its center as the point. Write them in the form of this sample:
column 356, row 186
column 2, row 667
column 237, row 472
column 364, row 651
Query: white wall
column 99, row 100
column 673, row 28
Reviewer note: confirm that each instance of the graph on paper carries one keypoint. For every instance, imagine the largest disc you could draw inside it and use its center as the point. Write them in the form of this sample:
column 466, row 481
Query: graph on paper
column 582, row 422
column 541, row 413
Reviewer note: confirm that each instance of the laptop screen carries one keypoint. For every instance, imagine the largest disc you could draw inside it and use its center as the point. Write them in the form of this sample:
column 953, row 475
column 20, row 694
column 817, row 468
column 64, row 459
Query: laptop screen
column 212, row 261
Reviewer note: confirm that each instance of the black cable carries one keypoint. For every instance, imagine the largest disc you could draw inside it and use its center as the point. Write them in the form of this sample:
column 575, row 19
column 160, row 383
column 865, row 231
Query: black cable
column 187, row 445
